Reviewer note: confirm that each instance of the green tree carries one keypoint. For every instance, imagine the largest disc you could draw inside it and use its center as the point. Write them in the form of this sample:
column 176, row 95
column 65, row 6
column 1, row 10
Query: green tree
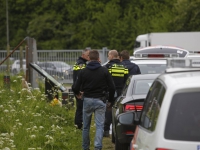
column 186, row 16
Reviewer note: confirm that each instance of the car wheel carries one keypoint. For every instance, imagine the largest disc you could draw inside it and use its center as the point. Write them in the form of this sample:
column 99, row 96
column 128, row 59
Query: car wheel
column 14, row 71
column 120, row 146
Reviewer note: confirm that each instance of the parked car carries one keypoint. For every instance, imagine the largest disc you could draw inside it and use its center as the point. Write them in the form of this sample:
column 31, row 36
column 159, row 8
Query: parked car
column 57, row 68
column 131, row 99
column 171, row 116
column 15, row 68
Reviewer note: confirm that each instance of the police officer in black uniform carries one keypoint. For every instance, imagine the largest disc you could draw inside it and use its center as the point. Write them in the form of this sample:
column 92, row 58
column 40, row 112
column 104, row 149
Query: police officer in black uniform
column 133, row 68
column 79, row 65
column 119, row 74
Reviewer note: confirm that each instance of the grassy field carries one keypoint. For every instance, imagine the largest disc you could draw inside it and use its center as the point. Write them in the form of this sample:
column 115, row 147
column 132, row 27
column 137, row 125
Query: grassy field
column 29, row 122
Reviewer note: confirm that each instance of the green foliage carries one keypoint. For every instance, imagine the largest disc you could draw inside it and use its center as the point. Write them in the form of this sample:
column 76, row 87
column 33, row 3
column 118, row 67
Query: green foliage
column 75, row 24
column 186, row 16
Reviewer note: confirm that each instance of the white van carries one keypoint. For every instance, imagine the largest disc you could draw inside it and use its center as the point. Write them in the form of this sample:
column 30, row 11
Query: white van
column 170, row 118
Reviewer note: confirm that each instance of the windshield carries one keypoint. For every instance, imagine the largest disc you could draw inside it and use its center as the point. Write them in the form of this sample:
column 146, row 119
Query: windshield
column 152, row 68
column 137, row 44
column 183, row 121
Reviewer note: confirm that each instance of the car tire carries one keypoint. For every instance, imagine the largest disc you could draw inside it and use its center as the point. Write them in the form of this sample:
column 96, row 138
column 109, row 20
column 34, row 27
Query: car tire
column 14, row 71
column 120, row 146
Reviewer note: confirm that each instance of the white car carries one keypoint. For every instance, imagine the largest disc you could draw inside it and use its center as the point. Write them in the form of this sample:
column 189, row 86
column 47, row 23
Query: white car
column 15, row 68
column 170, row 118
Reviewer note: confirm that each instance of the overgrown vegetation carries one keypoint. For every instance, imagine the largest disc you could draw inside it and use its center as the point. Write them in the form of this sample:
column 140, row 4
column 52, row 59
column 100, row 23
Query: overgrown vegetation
column 29, row 122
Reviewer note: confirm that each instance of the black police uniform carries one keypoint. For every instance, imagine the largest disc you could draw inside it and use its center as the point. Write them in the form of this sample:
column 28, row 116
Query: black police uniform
column 119, row 74
column 133, row 68
column 79, row 65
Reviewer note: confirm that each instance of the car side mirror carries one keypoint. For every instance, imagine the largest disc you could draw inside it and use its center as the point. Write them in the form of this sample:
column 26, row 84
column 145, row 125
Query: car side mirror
column 128, row 118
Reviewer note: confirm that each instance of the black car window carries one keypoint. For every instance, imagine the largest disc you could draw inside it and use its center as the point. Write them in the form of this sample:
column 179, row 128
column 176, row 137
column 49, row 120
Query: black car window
column 183, row 121
column 152, row 106
column 126, row 86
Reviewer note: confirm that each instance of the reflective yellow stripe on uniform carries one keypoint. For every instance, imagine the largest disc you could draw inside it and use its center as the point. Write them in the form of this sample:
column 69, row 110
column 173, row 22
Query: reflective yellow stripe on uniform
column 117, row 75
column 118, row 70
column 77, row 67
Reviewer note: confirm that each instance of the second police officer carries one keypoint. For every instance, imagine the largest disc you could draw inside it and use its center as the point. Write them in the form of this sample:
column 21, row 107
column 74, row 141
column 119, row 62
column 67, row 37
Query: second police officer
column 119, row 74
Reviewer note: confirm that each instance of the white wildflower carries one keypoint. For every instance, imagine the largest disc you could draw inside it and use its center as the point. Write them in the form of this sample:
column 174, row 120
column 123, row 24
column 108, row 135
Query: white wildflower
column 6, row 111
column 20, row 124
column 11, row 134
column 32, row 136
column 19, row 77
column 6, row 148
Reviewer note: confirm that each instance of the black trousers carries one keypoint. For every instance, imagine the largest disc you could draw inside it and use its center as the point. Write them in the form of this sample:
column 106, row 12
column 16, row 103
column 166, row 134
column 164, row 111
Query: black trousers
column 79, row 113
column 108, row 119
column 108, row 114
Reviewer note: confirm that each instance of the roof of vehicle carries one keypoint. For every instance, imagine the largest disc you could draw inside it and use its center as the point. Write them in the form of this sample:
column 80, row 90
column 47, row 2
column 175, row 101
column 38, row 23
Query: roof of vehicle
column 181, row 71
column 53, row 62
column 185, row 78
column 156, row 51
column 143, row 76
column 161, row 47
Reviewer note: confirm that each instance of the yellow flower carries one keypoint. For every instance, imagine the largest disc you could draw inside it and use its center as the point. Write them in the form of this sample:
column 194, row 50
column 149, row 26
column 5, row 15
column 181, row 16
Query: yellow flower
column 55, row 102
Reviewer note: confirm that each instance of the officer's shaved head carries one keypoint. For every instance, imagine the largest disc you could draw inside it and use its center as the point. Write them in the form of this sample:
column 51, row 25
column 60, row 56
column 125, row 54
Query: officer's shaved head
column 113, row 54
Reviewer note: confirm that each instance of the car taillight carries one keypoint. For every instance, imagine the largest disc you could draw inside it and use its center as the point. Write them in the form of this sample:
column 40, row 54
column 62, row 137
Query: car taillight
column 129, row 132
column 156, row 55
column 152, row 55
column 131, row 107
column 162, row 149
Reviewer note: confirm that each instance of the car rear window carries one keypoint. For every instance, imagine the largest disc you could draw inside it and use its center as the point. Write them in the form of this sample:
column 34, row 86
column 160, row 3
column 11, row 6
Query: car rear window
column 183, row 121
column 142, row 86
column 152, row 68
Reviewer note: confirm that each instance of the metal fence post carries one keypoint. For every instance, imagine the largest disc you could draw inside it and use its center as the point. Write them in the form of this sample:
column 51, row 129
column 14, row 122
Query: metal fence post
column 105, row 53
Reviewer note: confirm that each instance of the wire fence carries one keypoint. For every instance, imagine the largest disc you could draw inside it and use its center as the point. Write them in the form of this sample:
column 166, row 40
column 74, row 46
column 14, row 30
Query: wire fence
column 17, row 62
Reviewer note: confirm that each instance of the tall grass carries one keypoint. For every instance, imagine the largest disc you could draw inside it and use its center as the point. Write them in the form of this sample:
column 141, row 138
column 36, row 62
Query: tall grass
column 28, row 122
